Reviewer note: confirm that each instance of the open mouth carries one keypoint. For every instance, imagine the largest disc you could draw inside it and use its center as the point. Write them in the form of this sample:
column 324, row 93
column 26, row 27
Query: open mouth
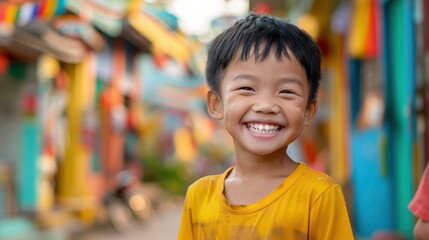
column 260, row 128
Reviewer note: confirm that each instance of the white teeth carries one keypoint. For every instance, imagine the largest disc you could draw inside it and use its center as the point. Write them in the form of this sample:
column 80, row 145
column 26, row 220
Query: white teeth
column 263, row 128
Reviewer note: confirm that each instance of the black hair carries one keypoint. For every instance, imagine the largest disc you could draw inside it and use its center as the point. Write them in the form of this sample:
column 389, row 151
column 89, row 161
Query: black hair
column 273, row 35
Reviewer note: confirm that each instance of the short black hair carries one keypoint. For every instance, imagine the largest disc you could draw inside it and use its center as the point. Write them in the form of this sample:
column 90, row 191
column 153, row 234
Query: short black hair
column 275, row 35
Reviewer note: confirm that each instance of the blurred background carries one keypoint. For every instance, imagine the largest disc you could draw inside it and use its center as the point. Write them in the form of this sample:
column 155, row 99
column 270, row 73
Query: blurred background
column 103, row 122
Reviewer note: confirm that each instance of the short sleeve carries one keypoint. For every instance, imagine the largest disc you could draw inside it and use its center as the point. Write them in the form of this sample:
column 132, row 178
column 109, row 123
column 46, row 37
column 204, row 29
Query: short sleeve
column 419, row 205
column 329, row 217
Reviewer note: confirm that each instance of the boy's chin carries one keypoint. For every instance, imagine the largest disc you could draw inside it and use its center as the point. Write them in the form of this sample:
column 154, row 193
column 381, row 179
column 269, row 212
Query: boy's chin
column 268, row 152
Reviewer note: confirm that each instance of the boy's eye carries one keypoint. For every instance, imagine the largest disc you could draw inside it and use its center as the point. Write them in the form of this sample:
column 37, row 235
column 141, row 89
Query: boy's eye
column 246, row 88
column 287, row 92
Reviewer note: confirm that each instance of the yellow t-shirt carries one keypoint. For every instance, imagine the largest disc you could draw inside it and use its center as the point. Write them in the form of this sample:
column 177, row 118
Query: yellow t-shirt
column 307, row 205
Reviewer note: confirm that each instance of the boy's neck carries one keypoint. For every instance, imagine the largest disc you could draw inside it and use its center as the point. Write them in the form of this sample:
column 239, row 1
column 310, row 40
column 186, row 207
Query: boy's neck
column 264, row 166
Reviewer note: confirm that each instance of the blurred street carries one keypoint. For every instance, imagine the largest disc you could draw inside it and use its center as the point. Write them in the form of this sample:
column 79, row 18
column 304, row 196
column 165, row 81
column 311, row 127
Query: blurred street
column 163, row 226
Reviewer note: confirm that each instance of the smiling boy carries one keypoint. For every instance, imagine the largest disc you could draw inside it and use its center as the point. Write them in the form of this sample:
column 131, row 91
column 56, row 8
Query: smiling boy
column 263, row 74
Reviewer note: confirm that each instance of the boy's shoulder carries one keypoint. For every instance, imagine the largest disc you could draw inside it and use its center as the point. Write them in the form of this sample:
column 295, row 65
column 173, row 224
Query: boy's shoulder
column 209, row 181
column 316, row 178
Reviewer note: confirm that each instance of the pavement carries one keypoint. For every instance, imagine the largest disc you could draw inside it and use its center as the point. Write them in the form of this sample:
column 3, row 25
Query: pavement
column 23, row 228
column 164, row 225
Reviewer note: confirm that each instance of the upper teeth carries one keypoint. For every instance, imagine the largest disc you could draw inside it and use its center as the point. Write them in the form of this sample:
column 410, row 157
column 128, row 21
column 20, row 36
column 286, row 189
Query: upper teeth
column 263, row 128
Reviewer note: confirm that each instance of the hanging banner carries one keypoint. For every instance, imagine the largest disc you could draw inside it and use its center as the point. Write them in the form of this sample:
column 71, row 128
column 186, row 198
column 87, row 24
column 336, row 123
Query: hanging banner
column 23, row 12
column 107, row 15
column 365, row 29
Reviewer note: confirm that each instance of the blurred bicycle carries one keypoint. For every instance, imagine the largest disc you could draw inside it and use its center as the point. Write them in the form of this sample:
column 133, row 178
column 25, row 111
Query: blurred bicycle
column 127, row 205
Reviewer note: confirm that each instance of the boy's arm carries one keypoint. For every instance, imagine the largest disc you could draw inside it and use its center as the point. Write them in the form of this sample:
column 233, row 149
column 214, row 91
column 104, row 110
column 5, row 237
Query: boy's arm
column 185, row 231
column 329, row 217
column 421, row 230
column 419, row 206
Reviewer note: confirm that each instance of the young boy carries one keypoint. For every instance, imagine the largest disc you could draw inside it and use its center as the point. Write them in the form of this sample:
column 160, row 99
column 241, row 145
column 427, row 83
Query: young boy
column 263, row 75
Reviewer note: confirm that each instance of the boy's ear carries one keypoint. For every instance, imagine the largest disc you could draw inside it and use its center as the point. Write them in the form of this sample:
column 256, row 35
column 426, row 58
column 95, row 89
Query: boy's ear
column 214, row 105
column 310, row 112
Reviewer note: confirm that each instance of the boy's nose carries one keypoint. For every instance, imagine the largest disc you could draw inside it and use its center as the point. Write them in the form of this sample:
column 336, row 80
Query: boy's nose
column 265, row 105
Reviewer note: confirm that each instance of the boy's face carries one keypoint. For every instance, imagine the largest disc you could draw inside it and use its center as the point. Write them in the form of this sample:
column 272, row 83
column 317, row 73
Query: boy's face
column 263, row 104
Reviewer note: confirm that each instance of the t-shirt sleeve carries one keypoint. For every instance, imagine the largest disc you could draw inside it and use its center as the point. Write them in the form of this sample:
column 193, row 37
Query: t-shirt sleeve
column 185, row 230
column 419, row 205
column 329, row 217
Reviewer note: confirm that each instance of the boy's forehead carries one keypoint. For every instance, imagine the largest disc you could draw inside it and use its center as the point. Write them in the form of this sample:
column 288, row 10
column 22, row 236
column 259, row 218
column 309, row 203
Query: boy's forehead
column 261, row 55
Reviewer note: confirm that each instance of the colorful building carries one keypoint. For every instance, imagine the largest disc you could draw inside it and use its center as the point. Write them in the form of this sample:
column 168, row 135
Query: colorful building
column 68, row 99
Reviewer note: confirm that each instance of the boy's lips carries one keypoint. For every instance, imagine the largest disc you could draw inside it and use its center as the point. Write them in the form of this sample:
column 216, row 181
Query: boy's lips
column 263, row 128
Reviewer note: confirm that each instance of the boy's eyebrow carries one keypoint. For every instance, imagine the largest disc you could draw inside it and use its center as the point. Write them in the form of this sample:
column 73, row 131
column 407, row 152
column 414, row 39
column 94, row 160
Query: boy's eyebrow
column 293, row 80
column 243, row 75
column 284, row 79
